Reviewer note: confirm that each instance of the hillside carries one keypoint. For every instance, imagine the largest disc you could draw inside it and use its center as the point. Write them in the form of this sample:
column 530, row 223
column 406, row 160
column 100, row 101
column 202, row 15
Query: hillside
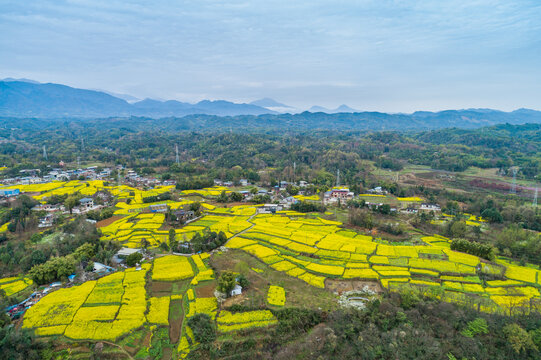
column 30, row 99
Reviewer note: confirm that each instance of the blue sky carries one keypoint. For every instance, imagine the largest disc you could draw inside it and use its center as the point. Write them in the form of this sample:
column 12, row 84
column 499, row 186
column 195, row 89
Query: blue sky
column 396, row 56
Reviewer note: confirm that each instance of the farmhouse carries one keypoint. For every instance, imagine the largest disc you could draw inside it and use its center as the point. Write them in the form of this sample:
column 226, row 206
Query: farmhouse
column 335, row 195
column 409, row 210
column 430, row 207
column 269, row 208
column 158, row 208
column 9, row 192
column 237, row 290
column 86, row 204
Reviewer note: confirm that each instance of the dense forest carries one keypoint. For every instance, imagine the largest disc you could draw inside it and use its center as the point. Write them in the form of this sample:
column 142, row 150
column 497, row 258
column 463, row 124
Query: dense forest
column 242, row 151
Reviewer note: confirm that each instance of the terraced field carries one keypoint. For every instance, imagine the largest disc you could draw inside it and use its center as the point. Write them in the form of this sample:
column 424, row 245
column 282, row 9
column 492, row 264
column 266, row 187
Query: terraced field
column 126, row 305
column 315, row 249
column 14, row 285
column 87, row 188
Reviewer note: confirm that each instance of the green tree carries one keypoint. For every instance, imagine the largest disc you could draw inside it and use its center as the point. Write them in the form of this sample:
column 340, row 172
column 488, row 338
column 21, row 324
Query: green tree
column 202, row 327
column 492, row 215
column 227, row 282
column 172, row 239
column 133, row 259
column 243, row 281
column 84, row 252
column 36, row 238
column 458, row 229
column 236, row 196
column 57, row 268
column 518, row 338
column 222, row 197
column 71, row 202
column 19, row 344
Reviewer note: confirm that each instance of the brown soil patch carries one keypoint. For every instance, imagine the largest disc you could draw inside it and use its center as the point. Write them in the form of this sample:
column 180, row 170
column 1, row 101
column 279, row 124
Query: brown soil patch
column 175, row 323
column 130, row 350
column 109, row 221
column 205, row 290
column 340, row 286
column 146, row 340
column 234, row 300
column 161, row 287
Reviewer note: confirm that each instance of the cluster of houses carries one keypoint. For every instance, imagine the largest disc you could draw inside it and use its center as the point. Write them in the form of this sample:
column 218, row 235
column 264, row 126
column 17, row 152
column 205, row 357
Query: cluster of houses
column 33, row 176
column 53, row 210
column 134, row 179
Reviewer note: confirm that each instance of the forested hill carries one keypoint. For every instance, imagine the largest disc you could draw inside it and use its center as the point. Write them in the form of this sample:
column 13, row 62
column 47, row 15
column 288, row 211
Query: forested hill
column 376, row 121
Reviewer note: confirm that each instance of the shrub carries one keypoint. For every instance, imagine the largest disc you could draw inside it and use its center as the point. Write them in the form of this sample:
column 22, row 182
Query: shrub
column 133, row 259
column 518, row 338
column 473, row 248
column 304, row 207
column 475, row 327
column 202, row 328
column 227, row 282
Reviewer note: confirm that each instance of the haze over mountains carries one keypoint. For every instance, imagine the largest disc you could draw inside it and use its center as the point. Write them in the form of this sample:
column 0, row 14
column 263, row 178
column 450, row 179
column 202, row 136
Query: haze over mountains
column 30, row 99
column 23, row 98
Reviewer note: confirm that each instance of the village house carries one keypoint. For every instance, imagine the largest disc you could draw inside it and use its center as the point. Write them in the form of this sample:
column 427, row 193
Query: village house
column 9, row 192
column 158, row 208
column 183, row 215
column 86, row 204
column 46, row 221
column 430, row 207
column 49, row 207
column 269, row 208
column 335, row 195
column 237, row 290
column 288, row 201
column 409, row 210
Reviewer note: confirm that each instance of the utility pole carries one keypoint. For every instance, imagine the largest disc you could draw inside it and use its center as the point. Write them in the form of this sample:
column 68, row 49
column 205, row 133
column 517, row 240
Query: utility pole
column 337, row 177
column 44, row 153
column 294, row 172
column 177, row 157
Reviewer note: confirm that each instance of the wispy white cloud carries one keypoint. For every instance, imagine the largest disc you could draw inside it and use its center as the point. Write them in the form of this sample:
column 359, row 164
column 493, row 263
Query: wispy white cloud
column 390, row 55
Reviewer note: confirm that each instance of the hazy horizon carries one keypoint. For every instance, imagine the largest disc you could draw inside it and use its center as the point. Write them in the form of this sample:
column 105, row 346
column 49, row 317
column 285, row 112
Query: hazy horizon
column 372, row 56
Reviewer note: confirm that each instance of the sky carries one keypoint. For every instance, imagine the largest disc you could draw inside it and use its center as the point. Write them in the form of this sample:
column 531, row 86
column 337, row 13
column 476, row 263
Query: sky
column 380, row 55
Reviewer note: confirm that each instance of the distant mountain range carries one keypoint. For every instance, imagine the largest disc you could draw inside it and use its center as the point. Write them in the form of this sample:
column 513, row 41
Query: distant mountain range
column 274, row 105
column 29, row 98
column 26, row 98
column 341, row 109
column 23, row 98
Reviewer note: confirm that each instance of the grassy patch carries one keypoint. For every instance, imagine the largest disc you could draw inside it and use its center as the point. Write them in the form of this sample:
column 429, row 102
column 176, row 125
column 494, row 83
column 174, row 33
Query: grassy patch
column 298, row 293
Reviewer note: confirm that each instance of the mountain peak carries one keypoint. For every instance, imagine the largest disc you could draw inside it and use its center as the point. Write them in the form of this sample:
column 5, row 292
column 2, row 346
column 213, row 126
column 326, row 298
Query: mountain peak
column 344, row 108
column 341, row 109
column 268, row 102
column 31, row 99
column 10, row 79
